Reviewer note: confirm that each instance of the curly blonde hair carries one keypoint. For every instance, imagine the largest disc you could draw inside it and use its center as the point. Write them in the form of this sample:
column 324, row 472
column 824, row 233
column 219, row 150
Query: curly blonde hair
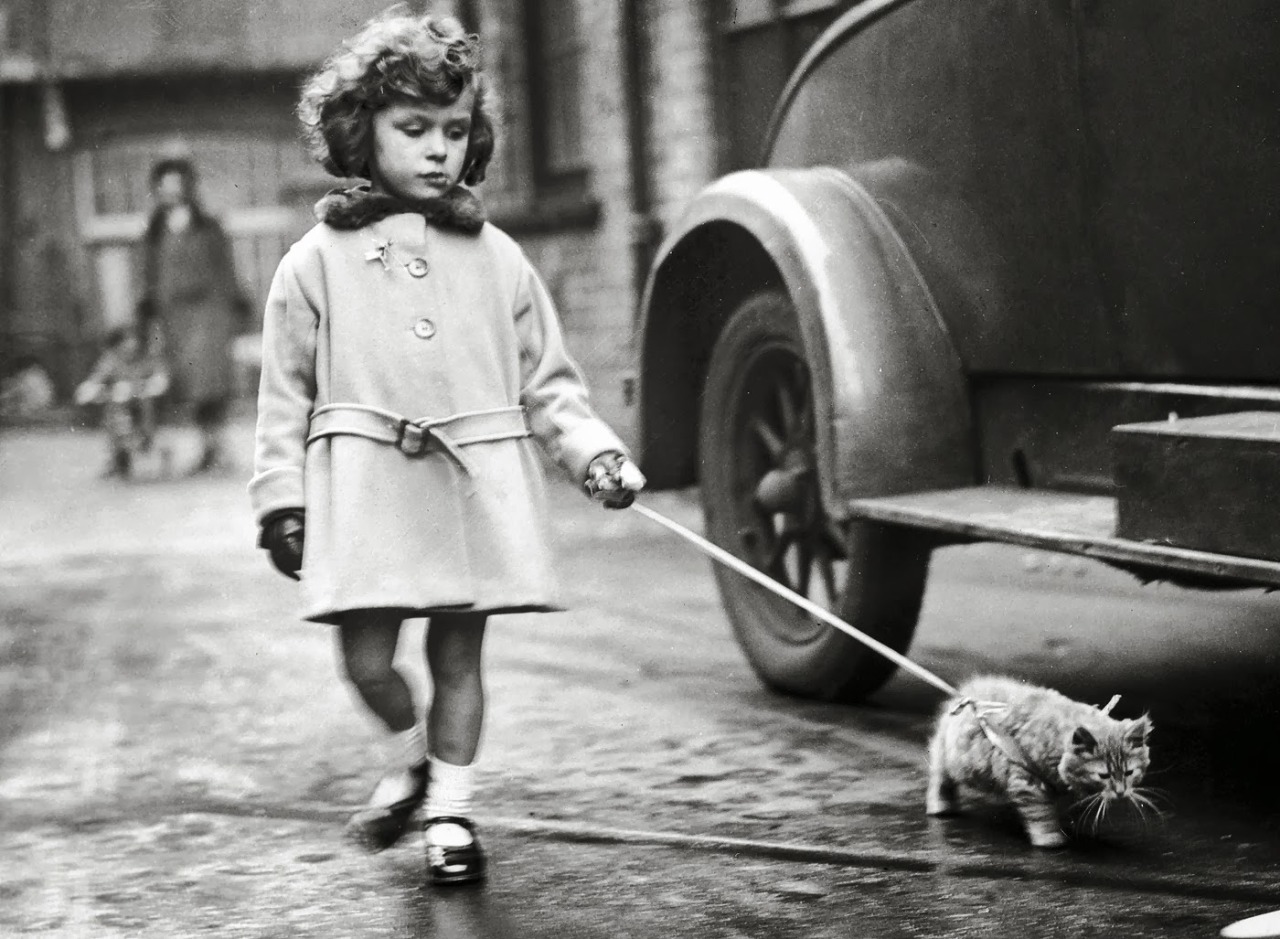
column 395, row 57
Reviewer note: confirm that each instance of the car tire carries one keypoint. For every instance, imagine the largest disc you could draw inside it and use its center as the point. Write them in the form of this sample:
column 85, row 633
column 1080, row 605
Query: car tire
column 760, row 494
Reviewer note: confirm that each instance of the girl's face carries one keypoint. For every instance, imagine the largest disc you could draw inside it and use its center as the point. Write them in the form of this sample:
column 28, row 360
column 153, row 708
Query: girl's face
column 419, row 149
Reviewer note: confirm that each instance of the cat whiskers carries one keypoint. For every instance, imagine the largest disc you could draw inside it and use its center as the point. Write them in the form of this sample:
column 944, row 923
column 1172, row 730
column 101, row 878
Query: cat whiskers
column 1095, row 809
column 1152, row 794
column 1142, row 800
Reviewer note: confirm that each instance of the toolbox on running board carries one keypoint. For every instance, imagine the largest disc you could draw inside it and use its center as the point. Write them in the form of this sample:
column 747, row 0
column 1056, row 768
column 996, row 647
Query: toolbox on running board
column 1207, row 483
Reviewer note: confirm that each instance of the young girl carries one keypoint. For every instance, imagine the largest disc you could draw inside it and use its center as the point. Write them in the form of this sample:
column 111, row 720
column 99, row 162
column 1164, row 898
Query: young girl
column 410, row 353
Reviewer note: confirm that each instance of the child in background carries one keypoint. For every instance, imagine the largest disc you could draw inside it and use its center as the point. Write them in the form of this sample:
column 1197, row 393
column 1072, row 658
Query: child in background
column 28, row 392
column 411, row 358
column 126, row 381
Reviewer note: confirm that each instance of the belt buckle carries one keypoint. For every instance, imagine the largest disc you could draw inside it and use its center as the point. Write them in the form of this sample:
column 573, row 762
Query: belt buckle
column 411, row 439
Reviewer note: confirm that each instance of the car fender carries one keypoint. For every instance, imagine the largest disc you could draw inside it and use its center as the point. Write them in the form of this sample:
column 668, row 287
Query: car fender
column 891, row 403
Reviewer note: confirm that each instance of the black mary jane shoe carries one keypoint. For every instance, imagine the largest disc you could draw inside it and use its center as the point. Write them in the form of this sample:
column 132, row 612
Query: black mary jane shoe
column 448, row 865
column 377, row 827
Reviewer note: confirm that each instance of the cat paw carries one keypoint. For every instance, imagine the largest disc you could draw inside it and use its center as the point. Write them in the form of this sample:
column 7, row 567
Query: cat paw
column 1047, row 839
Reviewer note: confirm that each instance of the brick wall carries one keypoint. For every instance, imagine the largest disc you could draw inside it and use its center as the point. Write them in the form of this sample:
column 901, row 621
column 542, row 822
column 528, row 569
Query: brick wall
column 680, row 100
column 588, row 265
column 589, row 270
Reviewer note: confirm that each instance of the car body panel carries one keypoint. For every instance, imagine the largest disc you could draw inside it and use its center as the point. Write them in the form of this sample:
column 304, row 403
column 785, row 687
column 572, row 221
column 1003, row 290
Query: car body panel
column 1183, row 108
column 1124, row 154
column 981, row 96
column 883, row 368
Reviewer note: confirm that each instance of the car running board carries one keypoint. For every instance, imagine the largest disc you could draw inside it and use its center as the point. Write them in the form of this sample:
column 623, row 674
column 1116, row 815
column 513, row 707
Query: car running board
column 1054, row 521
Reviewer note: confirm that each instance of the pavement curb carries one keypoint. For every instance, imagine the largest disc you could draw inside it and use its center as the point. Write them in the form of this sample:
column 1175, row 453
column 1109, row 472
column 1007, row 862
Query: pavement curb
column 1045, row 870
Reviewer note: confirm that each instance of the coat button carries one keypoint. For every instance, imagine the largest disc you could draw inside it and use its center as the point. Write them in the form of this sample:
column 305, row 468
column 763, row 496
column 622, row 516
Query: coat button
column 424, row 328
column 417, row 267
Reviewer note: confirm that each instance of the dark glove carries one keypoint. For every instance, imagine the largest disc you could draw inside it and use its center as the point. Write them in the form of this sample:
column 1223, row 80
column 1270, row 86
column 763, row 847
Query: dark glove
column 282, row 534
column 614, row 480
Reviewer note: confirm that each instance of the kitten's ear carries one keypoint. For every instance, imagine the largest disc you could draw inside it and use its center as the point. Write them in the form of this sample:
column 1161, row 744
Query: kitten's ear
column 1083, row 741
column 1136, row 734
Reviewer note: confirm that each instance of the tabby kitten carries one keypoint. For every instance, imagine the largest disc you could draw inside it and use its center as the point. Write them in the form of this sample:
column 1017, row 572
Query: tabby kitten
column 1061, row 755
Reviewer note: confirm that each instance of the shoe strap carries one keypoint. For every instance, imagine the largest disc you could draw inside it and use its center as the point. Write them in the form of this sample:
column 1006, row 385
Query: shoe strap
column 466, row 823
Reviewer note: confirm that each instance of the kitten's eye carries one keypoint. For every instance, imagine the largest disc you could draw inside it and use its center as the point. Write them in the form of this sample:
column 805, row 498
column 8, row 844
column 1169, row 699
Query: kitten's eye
column 1132, row 772
column 1104, row 775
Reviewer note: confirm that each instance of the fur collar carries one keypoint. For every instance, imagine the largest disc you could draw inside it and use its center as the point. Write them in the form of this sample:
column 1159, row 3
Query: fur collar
column 349, row 209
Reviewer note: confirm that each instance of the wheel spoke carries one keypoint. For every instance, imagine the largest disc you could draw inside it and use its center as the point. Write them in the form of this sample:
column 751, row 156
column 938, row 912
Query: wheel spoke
column 776, row 567
column 765, row 519
column 805, row 571
column 787, row 408
column 827, row 569
column 773, row 444
column 833, row 538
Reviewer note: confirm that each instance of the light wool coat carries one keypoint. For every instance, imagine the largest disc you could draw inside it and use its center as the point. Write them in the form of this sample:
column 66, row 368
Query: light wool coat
column 343, row 325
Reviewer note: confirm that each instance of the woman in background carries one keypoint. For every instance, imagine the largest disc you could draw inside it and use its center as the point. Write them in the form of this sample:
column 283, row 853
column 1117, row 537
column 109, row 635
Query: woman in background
column 192, row 295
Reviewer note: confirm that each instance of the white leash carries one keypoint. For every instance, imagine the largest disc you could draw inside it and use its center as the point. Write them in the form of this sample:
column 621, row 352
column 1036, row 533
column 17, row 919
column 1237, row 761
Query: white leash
column 1001, row 740
column 764, row 580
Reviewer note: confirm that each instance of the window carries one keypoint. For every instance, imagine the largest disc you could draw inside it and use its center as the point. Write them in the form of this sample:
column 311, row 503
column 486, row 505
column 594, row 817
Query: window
column 555, row 85
column 244, row 180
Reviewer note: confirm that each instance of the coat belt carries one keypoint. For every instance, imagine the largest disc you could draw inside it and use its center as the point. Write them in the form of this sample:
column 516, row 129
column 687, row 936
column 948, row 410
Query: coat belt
column 425, row 435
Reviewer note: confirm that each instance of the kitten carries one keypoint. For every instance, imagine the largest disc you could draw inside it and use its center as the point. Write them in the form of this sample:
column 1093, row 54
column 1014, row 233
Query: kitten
column 1061, row 754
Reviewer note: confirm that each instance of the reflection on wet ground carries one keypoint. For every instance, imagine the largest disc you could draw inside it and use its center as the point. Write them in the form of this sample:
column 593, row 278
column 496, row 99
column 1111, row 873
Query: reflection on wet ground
column 469, row 912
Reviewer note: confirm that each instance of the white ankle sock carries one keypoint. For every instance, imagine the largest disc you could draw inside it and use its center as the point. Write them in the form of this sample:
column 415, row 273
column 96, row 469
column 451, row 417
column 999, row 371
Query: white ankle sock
column 392, row 788
column 449, row 793
column 409, row 747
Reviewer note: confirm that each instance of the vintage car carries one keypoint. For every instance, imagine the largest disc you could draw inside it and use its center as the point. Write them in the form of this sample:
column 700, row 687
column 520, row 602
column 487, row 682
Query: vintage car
column 1007, row 271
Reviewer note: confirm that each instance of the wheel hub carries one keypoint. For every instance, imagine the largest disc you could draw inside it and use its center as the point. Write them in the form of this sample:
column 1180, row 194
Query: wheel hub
column 784, row 489
column 789, row 536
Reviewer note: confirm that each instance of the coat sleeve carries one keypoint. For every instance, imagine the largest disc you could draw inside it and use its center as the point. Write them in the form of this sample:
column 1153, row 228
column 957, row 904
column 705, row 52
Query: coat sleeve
column 286, row 395
column 552, row 389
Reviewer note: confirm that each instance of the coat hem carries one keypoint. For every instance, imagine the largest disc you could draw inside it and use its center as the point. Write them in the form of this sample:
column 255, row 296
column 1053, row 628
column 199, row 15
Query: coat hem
column 334, row 617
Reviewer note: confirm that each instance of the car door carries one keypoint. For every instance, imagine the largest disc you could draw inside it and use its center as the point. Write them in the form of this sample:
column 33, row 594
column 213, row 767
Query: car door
column 982, row 98
column 1182, row 102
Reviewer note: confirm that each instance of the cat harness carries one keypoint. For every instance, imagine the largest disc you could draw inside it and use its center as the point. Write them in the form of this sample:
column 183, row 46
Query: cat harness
column 1006, row 743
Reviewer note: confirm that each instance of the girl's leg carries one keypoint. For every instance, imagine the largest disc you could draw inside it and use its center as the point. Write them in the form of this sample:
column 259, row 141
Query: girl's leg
column 367, row 639
column 454, row 645
column 456, row 717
